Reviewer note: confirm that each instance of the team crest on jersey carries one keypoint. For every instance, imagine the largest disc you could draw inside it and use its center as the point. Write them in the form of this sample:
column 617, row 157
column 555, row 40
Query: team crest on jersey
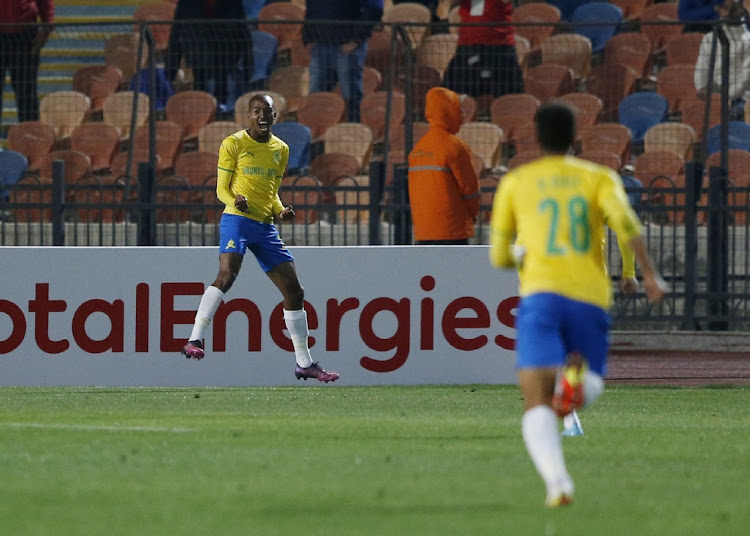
column 276, row 158
column 231, row 245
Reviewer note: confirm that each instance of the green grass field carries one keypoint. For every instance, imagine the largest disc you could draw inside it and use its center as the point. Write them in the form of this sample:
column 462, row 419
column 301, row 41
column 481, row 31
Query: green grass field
column 423, row 460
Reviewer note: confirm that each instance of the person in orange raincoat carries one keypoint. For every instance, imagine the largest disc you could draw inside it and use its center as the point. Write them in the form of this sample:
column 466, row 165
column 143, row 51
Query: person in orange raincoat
column 443, row 186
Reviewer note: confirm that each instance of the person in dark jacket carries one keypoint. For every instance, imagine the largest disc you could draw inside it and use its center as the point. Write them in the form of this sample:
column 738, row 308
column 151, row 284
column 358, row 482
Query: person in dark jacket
column 695, row 13
column 338, row 51
column 213, row 50
column 20, row 48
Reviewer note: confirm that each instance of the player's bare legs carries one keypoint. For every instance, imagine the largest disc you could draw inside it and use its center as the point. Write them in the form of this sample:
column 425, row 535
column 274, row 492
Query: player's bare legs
column 541, row 435
column 284, row 276
column 229, row 267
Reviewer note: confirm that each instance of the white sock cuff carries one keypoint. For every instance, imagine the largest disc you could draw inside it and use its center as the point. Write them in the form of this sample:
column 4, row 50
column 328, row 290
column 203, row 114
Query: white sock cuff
column 294, row 315
column 593, row 386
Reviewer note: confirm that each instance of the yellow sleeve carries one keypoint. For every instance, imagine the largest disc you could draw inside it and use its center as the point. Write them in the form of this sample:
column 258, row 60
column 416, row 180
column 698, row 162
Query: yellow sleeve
column 628, row 259
column 225, row 170
column 278, row 206
column 502, row 227
column 619, row 215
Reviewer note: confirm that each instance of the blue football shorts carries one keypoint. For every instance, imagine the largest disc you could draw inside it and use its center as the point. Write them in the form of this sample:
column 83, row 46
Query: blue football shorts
column 550, row 326
column 238, row 233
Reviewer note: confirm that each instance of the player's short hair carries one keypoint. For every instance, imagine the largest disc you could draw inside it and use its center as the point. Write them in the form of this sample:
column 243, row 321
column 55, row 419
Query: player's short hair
column 555, row 123
column 261, row 97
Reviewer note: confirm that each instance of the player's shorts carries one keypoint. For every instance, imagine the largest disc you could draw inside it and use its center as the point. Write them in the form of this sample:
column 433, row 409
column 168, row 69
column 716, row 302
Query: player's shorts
column 238, row 233
column 551, row 326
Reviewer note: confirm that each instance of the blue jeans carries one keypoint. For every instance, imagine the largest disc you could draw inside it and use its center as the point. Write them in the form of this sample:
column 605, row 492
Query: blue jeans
column 329, row 65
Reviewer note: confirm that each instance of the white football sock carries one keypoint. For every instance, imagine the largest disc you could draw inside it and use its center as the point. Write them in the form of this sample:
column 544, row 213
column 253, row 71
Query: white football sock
column 209, row 303
column 593, row 385
column 296, row 323
column 542, row 437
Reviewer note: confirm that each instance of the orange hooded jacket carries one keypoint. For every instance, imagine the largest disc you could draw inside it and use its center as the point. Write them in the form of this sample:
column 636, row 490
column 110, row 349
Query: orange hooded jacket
column 443, row 186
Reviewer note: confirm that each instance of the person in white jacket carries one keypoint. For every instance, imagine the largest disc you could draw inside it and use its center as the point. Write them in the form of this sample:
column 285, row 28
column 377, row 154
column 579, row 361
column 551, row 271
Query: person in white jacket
column 734, row 23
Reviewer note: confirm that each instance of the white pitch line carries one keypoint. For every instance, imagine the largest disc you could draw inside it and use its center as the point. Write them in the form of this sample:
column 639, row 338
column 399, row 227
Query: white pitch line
column 96, row 427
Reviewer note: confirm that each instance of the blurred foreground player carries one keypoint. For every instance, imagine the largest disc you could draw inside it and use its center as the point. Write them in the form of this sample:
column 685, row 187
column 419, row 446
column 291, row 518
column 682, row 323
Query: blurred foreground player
column 251, row 165
column 548, row 220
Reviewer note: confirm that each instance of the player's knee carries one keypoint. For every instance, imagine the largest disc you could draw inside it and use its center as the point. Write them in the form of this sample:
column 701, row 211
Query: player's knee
column 593, row 386
column 224, row 280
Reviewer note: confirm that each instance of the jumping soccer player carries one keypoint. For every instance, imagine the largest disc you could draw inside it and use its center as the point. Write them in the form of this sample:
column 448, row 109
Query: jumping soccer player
column 548, row 220
column 251, row 165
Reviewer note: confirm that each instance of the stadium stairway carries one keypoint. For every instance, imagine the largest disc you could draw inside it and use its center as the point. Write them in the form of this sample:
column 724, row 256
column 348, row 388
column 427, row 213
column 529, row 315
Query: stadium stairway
column 72, row 47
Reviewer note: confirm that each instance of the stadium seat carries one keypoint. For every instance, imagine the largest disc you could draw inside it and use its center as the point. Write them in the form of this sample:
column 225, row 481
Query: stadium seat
column 198, row 168
column 320, row 110
column 602, row 157
column 523, row 49
column 589, row 20
column 485, row 140
column 371, row 81
column 32, row 190
column 97, row 82
column 98, row 141
column 90, row 193
column 437, row 51
column 63, row 111
column 410, row 12
column 373, row 111
column 169, row 138
column 242, row 102
column 739, row 137
column 117, row 110
column 274, row 18
column 676, row 83
column 172, row 195
column 33, row 139
column 694, row 109
column 293, row 82
column 252, row 8
column 299, row 138
column 265, row 47
column 631, row 9
column 13, row 165
column 588, row 108
column 739, row 166
column 155, row 11
column 162, row 90
column 379, row 54
column 511, row 111
column 356, row 199
column 304, row 193
column 211, row 135
column 567, row 7
column 355, row 139
column 329, row 168
column 611, row 83
column 642, row 110
column 611, row 137
column 662, row 171
column 526, row 140
column 535, row 22
column 570, row 50
column 77, row 165
column 121, row 51
column 683, row 49
column 468, row 108
column 678, row 138
column 660, row 30
column 397, row 139
column 191, row 110
column 548, row 80
column 523, row 158
column 631, row 49
column 422, row 78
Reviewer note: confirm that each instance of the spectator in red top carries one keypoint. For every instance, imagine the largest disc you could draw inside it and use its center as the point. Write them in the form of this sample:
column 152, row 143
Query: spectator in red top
column 485, row 62
column 20, row 47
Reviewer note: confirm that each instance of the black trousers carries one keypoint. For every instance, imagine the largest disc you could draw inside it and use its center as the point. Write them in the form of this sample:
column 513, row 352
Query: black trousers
column 484, row 70
column 18, row 58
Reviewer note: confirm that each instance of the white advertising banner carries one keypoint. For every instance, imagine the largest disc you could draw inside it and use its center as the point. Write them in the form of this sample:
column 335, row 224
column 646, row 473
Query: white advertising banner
column 377, row 315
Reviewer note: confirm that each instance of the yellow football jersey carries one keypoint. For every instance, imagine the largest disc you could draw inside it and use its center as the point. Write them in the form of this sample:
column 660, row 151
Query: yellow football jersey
column 557, row 208
column 254, row 170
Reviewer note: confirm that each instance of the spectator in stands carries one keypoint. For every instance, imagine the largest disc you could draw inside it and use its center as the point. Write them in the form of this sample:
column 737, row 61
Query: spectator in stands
column 443, row 186
column 338, row 50
column 696, row 13
column 731, row 13
column 432, row 5
column 485, row 62
column 212, row 50
column 20, row 48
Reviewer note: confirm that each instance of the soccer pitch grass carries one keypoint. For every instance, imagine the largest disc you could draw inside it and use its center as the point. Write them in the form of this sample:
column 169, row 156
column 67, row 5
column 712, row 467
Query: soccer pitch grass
column 327, row 460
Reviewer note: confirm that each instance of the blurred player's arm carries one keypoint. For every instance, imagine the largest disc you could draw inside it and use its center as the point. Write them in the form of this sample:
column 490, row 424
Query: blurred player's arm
column 628, row 283
column 502, row 228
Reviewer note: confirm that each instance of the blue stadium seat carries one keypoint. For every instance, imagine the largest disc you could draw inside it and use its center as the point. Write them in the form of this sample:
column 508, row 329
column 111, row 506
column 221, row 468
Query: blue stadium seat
column 12, row 167
column 264, row 55
column 640, row 111
column 739, row 137
column 252, row 7
column 299, row 139
column 567, row 7
column 588, row 14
